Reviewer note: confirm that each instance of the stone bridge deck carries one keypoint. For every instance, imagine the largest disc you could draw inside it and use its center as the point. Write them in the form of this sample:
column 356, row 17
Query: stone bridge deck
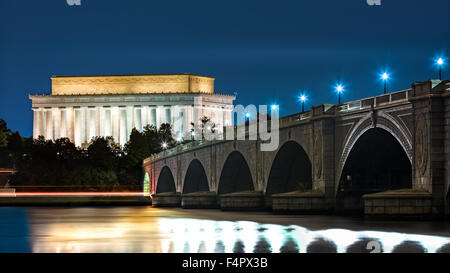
column 334, row 157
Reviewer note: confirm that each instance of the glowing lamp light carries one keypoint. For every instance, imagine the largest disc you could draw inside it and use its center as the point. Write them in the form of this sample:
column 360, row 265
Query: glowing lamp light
column 385, row 77
column 164, row 145
column 440, row 62
column 339, row 90
column 274, row 107
column 303, row 98
column 247, row 115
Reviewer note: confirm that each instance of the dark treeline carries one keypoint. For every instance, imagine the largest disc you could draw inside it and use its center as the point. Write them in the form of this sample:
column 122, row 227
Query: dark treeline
column 46, row 165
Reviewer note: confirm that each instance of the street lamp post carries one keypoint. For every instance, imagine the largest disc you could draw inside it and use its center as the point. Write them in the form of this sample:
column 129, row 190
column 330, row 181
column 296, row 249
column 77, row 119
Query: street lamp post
column 385, row 78
column 440, row 62
column 303, row 99
column 339, row 90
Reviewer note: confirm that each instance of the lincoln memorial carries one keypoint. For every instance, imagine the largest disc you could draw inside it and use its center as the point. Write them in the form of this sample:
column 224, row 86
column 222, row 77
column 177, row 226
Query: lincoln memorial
column 83, row 107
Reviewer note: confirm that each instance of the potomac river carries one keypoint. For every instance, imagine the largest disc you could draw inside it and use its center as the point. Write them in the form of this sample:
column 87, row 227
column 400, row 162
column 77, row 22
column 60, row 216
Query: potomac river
column 158, row 230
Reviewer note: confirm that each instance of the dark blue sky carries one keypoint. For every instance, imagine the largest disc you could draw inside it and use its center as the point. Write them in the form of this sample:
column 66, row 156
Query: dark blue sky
column 267, row 51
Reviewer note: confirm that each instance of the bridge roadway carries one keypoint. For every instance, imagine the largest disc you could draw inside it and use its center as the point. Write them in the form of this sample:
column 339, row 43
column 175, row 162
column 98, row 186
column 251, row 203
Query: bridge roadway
column 382, row 155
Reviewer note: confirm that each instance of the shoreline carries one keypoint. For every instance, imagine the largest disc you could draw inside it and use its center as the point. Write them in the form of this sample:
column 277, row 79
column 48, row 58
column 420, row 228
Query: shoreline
column 75, row 201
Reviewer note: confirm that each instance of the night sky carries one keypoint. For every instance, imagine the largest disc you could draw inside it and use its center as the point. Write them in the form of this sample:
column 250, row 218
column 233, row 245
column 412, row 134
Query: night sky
column 266, row 51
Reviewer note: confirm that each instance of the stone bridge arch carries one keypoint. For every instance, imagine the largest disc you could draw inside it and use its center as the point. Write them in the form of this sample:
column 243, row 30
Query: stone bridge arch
column 235, row 174
column 248, row 150
column 302, row 135
column 166, row 181
column 203, row 157
column 195, row 178
column 379, row 120
column 290, row 163
column 171, row 164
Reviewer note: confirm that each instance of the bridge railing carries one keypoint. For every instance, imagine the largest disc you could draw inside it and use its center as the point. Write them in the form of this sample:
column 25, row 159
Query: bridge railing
column 295, row 118
column 284, row 121
column 385, row 99
column 180, row 148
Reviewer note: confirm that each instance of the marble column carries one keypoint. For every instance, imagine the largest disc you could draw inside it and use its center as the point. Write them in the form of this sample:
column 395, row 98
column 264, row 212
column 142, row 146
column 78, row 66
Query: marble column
column 198, row 106
column 138, row 118
column 190, row 117
column 108, row 122
column 153, row 119
column 83, row 125
column 98, row 121
column 77, row 127
column 70, row 123
column 90, row 123
column 129, row 121
column 48, row 124
column 36, row 122
column 144, row 116
column 176, row 120
column 115, row 121
column 42, row 123
column 63, row 130
column 56, row 114
column 186, row 124
column 122, row 125
column 159, row 116
column 101, row 121
column 167, row 115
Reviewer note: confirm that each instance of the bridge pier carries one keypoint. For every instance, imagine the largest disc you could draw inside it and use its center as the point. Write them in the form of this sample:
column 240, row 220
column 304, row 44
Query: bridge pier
column 322, row 195
column 166, row 199
column 199, row 200
column 432, row 141
column 247, row 200
column 409, row 203
column 312, row 202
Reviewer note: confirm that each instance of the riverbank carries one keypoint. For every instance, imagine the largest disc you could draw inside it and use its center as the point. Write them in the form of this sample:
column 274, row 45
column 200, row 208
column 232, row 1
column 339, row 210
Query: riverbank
column 75, row 199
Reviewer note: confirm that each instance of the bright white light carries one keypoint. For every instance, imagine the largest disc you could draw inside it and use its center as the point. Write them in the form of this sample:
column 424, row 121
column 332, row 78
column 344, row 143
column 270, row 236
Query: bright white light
column 339, row 88
column 164, row 145
column 247, row 115
column 440, row 61
column 385, row 76
column 303, row 98
column 274, row 107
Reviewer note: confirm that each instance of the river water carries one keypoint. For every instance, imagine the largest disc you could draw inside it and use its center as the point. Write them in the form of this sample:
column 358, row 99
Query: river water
column 157, row 230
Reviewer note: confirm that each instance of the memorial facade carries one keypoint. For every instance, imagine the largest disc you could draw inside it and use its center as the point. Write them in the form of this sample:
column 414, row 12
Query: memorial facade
column 83, row 107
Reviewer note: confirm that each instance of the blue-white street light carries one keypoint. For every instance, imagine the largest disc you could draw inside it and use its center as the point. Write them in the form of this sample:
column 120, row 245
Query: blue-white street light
column 440, row 62
column 339, row 90
column 303, row 98
column 385, row 77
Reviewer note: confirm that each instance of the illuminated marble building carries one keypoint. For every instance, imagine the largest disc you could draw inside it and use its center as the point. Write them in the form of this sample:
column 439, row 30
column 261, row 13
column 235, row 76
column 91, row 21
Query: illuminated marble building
column 82, row 107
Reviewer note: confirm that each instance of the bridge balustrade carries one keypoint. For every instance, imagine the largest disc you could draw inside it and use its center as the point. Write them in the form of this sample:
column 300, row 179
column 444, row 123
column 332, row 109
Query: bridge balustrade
column 395, row 97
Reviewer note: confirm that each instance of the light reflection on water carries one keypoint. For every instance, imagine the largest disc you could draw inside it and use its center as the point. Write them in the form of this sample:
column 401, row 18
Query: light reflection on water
column 111, row 230
column 193, row 235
